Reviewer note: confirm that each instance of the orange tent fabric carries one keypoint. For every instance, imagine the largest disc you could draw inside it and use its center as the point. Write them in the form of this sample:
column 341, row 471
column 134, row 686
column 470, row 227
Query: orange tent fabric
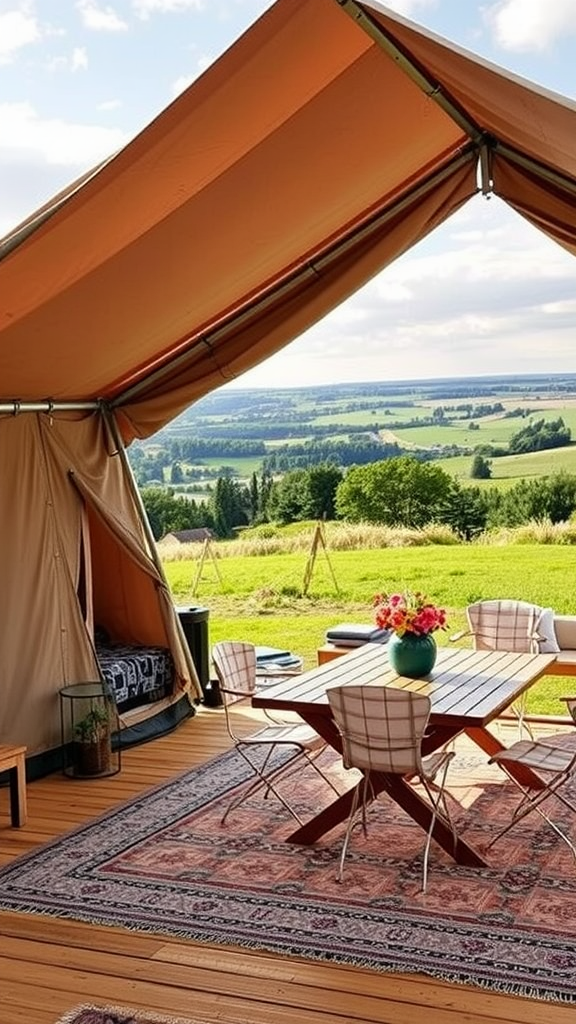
column 163, row 268
column 329, row 139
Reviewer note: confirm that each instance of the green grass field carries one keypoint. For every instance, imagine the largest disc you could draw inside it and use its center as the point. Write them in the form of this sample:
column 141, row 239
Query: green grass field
column 495, row 431
column 509, row 469
column 259, row 598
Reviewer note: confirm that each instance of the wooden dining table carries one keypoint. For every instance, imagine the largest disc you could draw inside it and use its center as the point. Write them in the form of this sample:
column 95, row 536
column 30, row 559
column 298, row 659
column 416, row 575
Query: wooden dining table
column 467, row 689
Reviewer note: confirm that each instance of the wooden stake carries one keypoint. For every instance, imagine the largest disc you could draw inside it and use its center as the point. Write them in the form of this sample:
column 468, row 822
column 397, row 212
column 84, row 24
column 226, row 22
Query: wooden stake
column 318, row 539
column 207, row 552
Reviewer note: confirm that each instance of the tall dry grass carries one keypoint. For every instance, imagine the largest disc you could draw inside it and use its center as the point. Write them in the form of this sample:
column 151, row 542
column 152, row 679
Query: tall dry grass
column 538, row 531
column 276, row 540
column 269, row 539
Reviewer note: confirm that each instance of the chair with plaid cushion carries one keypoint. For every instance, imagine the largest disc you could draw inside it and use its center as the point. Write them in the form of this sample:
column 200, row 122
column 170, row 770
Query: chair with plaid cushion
column 235, row 665
column 554, row 764
column 517, row 626
column 382, row 729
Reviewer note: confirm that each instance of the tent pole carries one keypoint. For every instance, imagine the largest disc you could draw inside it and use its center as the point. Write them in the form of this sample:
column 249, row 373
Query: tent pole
column 15, row 407
column 110, row 420
column 431, row 88
column 547, row 174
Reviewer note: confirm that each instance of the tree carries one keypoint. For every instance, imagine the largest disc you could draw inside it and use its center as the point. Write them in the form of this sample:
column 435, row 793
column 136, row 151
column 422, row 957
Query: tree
column 481, row 468
column 167, row 512
column 396, row 492
column 288, row 502
column 305, row 494
column 176, row 474
column 540, row 436
column 323, row 482
column 229, row 505
column 466, row 510
column 552, row 498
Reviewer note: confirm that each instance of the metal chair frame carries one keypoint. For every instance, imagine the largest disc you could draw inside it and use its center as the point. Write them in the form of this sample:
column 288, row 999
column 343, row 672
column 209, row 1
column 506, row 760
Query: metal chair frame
column 544, row 757
column 382, row 729
column 235, row 665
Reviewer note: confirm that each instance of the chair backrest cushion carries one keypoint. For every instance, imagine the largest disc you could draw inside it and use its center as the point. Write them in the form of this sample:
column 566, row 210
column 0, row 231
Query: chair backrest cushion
column 381, row 727
column 235, row 665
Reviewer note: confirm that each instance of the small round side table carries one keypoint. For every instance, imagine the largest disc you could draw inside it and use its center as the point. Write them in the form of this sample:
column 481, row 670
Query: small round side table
column 89, row 720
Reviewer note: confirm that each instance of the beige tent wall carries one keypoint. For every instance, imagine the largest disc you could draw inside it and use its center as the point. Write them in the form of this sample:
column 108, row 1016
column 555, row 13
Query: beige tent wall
column 45, row 644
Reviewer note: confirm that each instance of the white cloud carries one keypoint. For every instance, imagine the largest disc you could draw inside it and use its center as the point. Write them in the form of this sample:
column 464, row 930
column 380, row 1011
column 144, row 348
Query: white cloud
column 17, row 29
column 75, row 61
column 530, row 24
column 181, row 84
column 79, row 60
column 485, row 293
column 100, row 19
column 144, row 8
column 109, row 105
column 56, row 142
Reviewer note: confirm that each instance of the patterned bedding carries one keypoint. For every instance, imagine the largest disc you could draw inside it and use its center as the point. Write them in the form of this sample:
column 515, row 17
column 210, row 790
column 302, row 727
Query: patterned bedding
column 136, row 675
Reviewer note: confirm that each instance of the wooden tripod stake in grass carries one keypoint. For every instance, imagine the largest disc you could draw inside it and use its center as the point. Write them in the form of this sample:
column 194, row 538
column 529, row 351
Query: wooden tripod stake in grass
column 206, row 553
column 318, row 540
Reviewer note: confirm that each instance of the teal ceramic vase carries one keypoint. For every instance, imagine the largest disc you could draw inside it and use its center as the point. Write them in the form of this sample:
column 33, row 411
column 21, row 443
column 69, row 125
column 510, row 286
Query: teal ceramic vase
column 412, row 655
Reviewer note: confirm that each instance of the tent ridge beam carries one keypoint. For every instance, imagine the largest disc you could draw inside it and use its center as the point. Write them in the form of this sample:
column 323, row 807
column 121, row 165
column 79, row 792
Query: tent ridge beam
column 429, row 86
column 13, row 406
column 315, row 266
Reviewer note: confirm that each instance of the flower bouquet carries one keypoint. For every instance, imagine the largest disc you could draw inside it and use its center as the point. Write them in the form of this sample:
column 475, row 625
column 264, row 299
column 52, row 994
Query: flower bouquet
column 413, row 619
column 409, row 612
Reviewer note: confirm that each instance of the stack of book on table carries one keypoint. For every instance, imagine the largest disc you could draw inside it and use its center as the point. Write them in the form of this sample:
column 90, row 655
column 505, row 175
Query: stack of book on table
column 274, row 659
column 354, row 634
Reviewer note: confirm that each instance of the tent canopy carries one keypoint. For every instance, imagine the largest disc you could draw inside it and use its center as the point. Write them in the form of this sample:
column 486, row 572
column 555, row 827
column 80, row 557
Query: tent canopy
column 328, row 140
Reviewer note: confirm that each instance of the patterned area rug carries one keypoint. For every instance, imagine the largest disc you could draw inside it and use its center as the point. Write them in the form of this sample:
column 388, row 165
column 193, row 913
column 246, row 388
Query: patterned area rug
column 164, row 863
column 88, row 1014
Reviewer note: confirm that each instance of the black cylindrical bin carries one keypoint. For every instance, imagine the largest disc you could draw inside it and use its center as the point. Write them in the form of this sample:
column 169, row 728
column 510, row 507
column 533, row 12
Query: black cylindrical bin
column 194, row 622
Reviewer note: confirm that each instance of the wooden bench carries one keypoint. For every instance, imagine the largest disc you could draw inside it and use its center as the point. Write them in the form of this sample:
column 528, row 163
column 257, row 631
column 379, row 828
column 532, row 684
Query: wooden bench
column 12, row 760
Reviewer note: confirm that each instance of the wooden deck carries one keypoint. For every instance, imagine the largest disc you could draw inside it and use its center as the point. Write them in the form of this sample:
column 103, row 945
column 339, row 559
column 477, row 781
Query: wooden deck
column 47, row 966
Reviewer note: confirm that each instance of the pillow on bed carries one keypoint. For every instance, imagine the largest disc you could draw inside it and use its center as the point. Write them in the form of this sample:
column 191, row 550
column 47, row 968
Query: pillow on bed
column 545, row 629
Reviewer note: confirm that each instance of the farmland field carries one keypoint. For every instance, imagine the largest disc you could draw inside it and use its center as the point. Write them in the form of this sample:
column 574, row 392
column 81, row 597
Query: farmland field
column 287, row 417
column 509, row 469
column 491, row 430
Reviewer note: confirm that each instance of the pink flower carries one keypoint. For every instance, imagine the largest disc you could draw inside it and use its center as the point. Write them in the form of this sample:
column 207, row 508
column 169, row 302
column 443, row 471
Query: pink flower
column 410, row 612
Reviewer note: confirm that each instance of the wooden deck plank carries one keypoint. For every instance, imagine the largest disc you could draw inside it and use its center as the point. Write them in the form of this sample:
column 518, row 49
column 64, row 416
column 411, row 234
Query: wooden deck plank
column 48, row 965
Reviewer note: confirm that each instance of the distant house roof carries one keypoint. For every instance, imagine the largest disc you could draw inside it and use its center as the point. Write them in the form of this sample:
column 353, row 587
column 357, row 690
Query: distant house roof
column 187, row 536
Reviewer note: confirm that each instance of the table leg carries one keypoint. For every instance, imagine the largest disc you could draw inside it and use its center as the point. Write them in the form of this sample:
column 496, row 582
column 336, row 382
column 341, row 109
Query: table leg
column 397, row 788
column 421, row 812
column 17, row 795
column 489, row 743
column 409, row 800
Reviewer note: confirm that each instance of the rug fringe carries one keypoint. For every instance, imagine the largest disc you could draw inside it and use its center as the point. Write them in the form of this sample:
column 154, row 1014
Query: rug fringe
column 338, row 959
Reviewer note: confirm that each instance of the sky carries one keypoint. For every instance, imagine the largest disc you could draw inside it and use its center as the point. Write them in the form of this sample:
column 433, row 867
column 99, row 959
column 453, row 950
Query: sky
column 485, row 294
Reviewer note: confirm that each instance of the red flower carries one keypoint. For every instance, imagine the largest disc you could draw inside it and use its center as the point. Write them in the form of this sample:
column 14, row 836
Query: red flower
column 409, row 612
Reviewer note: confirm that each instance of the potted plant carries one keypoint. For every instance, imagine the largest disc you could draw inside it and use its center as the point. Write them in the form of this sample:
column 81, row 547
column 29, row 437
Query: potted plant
column 93, row 741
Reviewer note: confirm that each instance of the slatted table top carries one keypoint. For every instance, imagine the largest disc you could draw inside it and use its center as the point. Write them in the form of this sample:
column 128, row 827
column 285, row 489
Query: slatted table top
column 466, row 687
